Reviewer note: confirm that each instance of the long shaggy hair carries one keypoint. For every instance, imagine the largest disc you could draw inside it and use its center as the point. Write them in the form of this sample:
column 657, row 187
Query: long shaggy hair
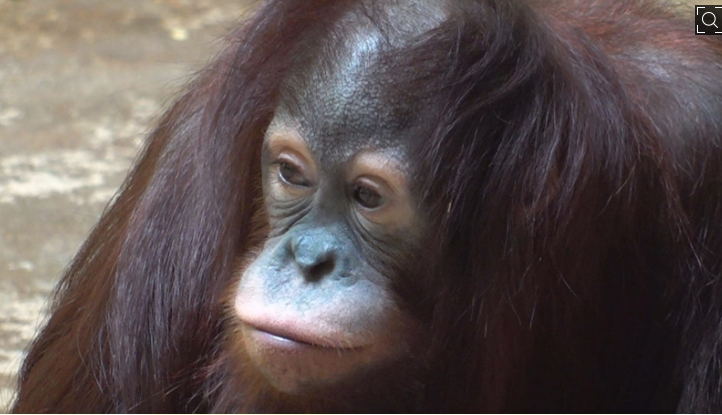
column 571, row 170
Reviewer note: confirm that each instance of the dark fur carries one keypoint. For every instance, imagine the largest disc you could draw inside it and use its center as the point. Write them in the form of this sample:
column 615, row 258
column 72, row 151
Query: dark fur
column 573, row 177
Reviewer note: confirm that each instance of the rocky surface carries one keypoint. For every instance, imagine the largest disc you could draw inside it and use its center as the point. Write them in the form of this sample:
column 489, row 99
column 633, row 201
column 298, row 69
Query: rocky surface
column 81, row 81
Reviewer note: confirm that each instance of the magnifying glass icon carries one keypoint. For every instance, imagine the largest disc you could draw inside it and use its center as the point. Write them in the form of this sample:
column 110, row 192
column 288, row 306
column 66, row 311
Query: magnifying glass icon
column 714, row 20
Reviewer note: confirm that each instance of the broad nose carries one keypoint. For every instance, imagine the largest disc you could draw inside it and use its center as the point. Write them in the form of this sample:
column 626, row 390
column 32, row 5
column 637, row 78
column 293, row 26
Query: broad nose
column 316, row 254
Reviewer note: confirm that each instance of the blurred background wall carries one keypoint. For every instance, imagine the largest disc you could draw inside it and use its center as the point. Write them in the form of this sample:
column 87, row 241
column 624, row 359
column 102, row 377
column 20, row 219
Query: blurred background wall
column 80, row 83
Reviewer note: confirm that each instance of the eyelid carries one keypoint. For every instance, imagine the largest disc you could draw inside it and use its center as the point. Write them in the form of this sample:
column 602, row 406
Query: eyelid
column 378, row 185
column 288, row 145
column 289, row 157
column 298, row 162
column 383, row 170
column 297, row 182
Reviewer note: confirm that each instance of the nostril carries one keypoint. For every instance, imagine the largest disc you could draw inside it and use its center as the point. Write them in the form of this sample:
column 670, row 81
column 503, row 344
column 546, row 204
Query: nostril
column 320, row 270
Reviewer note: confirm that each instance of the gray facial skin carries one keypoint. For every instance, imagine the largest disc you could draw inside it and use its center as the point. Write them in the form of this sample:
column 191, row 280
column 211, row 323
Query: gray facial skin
column 317, row 303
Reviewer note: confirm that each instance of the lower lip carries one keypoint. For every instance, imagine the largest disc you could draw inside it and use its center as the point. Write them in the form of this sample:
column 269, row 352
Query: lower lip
column 275, row 341
column 293, row 366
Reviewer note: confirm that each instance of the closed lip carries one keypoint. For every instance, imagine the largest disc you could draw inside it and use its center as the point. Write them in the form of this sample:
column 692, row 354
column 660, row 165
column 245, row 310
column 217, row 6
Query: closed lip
column 281, row 335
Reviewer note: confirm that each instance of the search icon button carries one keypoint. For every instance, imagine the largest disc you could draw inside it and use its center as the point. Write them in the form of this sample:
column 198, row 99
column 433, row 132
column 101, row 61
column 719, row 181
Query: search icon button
column 714, row 19
column 705, row 19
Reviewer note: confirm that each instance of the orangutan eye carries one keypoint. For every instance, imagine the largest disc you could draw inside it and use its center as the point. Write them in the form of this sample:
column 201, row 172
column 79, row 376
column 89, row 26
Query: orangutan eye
column 367, row 197
column 292, row 175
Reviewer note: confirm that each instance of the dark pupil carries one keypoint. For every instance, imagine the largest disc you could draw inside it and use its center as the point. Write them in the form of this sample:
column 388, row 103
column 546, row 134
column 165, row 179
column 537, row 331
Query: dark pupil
column 291, row 175
column 367, row 197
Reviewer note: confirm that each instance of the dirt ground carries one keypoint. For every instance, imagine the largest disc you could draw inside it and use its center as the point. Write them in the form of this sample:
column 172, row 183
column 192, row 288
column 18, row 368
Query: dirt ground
column 80, row 83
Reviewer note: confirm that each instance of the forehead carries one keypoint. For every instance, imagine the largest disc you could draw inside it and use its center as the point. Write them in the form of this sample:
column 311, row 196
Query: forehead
column 351, row 97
